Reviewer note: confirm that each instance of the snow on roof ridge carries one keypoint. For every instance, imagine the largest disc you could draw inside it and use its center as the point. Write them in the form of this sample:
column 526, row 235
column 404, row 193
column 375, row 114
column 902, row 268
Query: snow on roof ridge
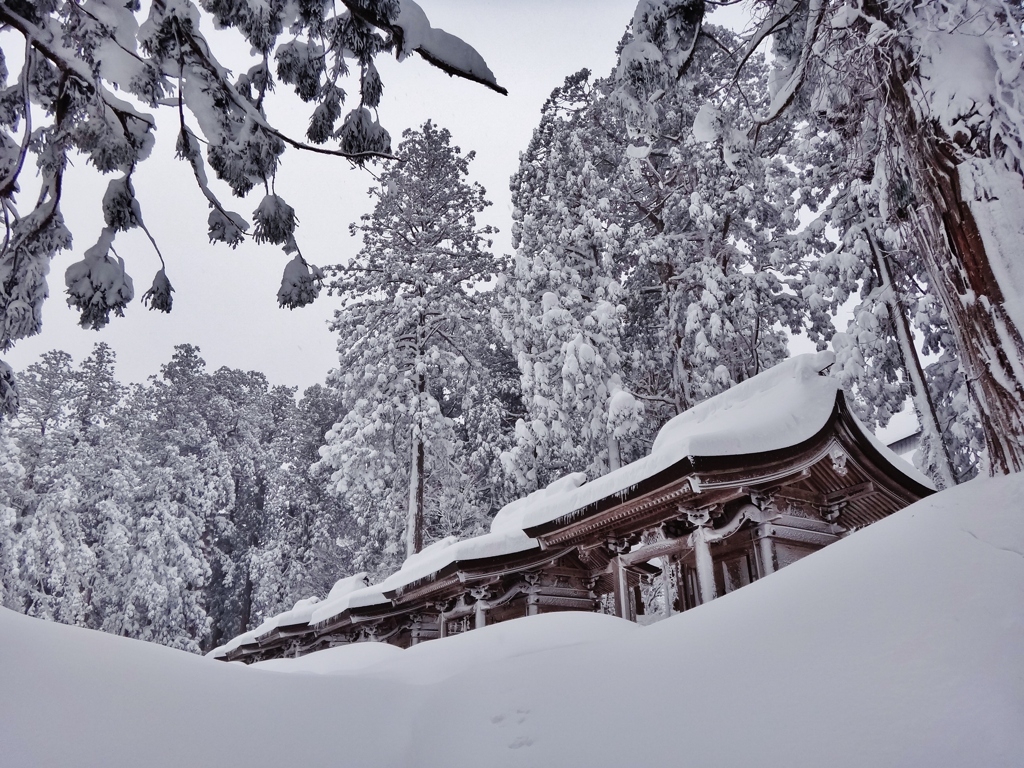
column 357, row 598
column 775, row 409
column 510, row 517
column 348, row 584
column 892, row 457
column 798, row 368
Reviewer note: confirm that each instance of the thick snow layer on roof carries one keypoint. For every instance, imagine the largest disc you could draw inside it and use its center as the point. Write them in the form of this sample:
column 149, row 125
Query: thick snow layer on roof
column 242, row 639
column 350, row 592
column 357, row 598
column 301, row 613
column 506, row 537
column 427, row 563
column 348, row 584
column 776, row 409
column 510, row 517
column 922, row 650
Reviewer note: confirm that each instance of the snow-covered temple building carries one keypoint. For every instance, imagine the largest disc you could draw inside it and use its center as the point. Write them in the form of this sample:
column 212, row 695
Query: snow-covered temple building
column 733, row 489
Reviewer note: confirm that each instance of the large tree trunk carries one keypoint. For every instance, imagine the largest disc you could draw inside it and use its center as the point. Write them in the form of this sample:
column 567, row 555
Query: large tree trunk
column 989, row 343
column 414, row 520
column 924, row 404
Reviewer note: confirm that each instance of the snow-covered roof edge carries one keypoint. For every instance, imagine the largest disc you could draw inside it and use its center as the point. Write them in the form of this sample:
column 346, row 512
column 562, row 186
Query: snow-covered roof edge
column 894, row 459
column 778, row 408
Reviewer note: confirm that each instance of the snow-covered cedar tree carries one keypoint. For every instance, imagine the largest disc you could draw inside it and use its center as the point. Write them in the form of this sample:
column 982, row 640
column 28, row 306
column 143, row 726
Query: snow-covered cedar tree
column 412, row 330
column 90, row 79
column 307, row 540
column 712, row 264
column 927, row 99
column 652, row 270
column 560, row 306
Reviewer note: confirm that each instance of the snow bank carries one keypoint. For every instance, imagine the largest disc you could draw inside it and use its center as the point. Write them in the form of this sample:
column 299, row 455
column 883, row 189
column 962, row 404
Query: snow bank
column 901, row 645
column 333, row 661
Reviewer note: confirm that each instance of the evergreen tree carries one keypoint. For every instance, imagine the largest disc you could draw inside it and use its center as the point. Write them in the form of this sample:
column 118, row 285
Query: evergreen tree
column 410, row 330
column 309, row 532
column 11, row 487
column 561, row 308
column 711, row 260
column 655, row 265
column 48, row 559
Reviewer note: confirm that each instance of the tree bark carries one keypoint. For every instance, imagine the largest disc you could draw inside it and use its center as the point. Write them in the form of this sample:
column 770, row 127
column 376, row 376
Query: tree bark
column 923, row 402
column 990, row 344
column 414, row 521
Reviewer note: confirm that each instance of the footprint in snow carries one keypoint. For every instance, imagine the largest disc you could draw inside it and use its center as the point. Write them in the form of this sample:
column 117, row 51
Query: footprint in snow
column 521, row 741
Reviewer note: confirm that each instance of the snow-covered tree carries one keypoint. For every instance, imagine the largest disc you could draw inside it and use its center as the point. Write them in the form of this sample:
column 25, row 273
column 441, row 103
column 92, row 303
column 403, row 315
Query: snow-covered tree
column 305, row 542
column 181, row 511
column 561, row 302
column 11, row 477
column 410, row 330
column 712, row 261
column 653, row 265
column 927, row 97
column 92, row 79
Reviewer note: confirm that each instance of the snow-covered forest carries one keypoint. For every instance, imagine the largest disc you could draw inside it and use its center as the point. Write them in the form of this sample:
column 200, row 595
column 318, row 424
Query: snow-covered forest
column 677, row 222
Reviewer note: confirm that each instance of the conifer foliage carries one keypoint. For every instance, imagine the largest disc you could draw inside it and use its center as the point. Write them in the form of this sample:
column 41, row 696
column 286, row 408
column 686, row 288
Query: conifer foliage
column 923, row 102
column 413, row 333
column 178, row 512
column 655, row 267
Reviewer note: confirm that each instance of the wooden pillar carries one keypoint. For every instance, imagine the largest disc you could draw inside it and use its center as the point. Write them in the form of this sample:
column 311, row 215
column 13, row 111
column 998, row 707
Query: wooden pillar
column 764, row 549
column 620, row 583
column 705, row 565
column 666, row 585
column 482, row 594
column 532, row 606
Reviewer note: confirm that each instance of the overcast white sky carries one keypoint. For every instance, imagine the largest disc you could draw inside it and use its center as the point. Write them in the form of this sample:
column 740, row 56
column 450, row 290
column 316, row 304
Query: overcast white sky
column 225, row 301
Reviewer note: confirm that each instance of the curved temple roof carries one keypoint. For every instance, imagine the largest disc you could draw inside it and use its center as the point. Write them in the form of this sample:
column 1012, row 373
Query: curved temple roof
column 777, row 409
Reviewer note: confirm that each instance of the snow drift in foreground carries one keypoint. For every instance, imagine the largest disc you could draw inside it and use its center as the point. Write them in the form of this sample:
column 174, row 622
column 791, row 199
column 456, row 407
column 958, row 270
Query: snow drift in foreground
column 902, row 645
